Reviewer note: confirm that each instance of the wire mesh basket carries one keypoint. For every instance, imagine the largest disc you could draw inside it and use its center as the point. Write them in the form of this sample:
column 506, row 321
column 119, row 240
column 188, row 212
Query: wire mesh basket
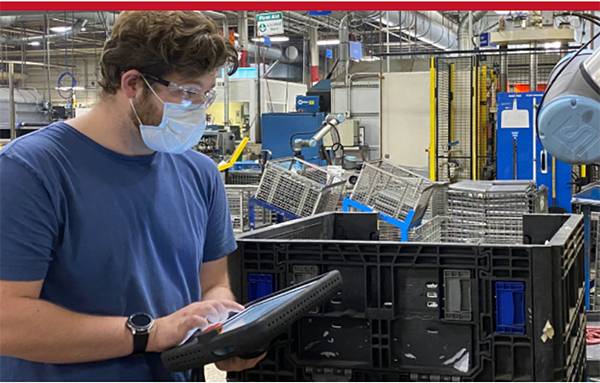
column 244, row 173
column 387, row 231
column 390, row 189
column 237, row 198
column 299, row 187
column 243, row 177
column 490, row 210
column 441, row 229
column 434, row 230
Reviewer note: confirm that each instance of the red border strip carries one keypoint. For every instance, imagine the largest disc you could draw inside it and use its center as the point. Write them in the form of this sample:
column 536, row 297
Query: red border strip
column 300, row 5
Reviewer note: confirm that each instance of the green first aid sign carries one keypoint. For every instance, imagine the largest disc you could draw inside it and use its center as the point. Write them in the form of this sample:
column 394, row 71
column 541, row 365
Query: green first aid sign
column 269, row 24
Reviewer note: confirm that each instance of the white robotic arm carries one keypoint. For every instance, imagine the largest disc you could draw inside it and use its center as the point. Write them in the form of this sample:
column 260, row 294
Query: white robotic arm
column 569, row 117
column 331, row 121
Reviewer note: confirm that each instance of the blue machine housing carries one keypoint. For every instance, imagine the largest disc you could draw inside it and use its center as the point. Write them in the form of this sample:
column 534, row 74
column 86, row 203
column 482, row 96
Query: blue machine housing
column 278, row 128
column 517, row 144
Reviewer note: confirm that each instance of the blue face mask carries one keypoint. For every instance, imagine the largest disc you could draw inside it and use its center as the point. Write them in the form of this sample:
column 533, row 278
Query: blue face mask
column 181, row 127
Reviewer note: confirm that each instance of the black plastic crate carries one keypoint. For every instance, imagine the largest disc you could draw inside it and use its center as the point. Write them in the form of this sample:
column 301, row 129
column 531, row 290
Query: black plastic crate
column 422, row 311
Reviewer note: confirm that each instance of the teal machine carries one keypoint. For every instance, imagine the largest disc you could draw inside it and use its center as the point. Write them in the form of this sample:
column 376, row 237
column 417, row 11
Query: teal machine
column 520, row 154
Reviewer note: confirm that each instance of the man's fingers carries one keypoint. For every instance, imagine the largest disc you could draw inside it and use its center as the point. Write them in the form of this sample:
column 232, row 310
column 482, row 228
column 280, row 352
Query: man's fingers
column 232, row 306
column 206, row 311
column 194, row 321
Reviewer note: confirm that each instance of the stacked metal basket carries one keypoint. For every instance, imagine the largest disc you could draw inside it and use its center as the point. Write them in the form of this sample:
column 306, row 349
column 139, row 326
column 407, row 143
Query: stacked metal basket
column 490, row 210
column 299, row 187
column 484, row 211
column 244, row 173
column 434, row 230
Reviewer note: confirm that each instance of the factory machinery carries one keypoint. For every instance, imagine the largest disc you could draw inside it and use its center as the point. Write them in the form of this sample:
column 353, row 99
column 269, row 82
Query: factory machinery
column 475, row 309
column 458, row 274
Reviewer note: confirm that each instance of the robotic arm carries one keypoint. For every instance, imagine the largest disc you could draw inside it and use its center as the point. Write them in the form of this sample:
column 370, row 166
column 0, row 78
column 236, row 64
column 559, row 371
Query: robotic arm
column 569, row 116
column 330, row 122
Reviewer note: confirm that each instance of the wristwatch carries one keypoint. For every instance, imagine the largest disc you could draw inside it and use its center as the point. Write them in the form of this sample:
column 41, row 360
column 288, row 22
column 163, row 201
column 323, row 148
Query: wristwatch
column 140, row 325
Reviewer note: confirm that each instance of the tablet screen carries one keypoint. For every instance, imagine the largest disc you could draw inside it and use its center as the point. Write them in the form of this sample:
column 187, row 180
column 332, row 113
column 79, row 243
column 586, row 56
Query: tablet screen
column 262, row 308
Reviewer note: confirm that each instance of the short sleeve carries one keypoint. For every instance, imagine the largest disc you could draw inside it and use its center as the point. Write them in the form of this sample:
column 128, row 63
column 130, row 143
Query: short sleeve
column 28, row 223
column 220, row 240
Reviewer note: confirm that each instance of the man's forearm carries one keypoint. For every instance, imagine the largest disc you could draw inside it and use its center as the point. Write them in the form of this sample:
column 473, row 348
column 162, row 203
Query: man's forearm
column 39, row 331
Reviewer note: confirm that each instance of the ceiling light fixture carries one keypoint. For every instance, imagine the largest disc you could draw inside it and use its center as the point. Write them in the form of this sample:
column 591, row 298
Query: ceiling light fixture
column 61, row 29
column 552, row 45
column 274, row 39
column 328, row 42
column 70, row 88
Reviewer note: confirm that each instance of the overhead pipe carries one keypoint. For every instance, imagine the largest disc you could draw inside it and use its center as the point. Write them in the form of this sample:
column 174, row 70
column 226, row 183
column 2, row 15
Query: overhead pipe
column 423, row 28
column 344, row 37
column 311, row 21
column 243, row 38
column 271, row 53
column 214, row 15
column 11, row 19
column 313, row 36
column 465, row 29
column 104, row 18
column 439, row 18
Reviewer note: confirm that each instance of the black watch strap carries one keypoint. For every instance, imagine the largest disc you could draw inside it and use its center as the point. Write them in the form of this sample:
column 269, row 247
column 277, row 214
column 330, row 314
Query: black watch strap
column 140, row 341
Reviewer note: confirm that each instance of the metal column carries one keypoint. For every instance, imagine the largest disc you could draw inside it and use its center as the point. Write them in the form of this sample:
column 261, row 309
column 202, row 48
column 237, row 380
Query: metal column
column 47, row 57
column 503, row 68
column 243, row 38
column 11, row 101
column 313, row 35
column 587, row 251
column 533, row 66
column 226, row 80
column 387, row 39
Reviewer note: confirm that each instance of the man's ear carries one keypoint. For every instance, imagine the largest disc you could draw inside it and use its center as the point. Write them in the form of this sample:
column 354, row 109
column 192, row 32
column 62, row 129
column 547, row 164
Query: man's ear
column 131, row 82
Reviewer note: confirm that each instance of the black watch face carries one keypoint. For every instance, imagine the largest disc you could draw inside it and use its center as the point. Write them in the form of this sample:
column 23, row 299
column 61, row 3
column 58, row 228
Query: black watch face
column 141, row 320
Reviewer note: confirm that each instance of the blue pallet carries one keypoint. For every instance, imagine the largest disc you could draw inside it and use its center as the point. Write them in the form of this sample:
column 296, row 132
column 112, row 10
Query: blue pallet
column 282, row 215
column 348, row 204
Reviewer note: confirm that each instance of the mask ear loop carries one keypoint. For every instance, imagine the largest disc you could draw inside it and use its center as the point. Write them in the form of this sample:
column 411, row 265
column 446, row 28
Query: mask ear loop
column 135, row 112
column 133, row 107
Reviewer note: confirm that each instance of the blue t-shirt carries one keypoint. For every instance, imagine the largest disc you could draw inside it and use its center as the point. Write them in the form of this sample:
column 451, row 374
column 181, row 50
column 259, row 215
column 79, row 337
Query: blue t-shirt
column 109, row 234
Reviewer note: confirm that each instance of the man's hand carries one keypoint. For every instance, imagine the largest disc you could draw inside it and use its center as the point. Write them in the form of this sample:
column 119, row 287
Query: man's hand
column 170, row 330
column 238, row 364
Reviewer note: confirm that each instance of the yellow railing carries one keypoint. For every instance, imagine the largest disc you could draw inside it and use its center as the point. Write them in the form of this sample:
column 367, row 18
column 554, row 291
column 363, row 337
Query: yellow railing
column 234, row 157
column 432, row 122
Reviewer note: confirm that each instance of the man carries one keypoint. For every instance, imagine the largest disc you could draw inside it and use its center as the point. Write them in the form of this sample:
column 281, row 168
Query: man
column 113, row 235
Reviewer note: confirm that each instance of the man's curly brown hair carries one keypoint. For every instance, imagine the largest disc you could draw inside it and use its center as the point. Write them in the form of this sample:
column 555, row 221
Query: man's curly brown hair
column 160, row 43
